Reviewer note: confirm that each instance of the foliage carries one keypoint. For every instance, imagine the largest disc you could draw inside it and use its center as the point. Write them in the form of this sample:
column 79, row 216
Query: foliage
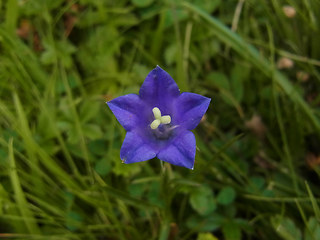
column 257, row 164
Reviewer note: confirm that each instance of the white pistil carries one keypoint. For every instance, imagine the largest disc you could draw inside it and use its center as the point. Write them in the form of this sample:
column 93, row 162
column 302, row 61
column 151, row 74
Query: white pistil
column 159, row 119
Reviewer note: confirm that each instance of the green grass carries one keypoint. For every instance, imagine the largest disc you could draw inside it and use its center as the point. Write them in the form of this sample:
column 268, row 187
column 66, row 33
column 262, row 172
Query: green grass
column 61, row 176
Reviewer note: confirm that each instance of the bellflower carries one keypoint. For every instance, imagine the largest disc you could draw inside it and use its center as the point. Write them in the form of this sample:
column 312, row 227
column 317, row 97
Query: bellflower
column 158, row 121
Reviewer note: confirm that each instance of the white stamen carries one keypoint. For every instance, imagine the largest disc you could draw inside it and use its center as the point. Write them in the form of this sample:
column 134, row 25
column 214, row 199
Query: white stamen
column 159, row 119
column 166, row 119
column 155, row 124
column 156, row 113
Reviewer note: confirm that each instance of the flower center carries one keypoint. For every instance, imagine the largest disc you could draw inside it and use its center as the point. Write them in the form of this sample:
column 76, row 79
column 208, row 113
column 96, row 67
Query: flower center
column 161, row 127
column 159, row 119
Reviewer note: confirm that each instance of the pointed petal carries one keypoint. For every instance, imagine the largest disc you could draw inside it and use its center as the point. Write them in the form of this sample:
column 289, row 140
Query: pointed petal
column 159, row 89
column 190, row 108
column 126, row 109
column 134, row 149
column 181, row 151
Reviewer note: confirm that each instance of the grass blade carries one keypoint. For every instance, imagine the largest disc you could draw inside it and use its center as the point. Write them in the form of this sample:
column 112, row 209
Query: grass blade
column 252, row 55
column 19, row 194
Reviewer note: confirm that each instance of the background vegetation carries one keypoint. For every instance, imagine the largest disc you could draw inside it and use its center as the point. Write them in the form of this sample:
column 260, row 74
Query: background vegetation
column 257, row 165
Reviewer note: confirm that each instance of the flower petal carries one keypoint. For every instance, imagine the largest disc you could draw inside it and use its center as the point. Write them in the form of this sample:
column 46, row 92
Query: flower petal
column 158, row 89
column 126, row 109
column 134, row 149
column 189, row 109
column 181, row 151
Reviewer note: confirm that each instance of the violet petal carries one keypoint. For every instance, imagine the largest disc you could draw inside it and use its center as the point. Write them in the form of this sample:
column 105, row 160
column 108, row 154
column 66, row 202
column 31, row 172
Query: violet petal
column 126, row 109
column 181, row 151
column 159, row 89
column 134, row 149
column 190, row 107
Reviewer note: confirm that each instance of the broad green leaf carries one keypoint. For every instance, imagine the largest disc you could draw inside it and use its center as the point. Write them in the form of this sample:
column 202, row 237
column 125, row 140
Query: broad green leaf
column 103, row 167
column 173, row 15
column 73, row 135
column 220, row 80
column 256, row 184
column 73, row 221
column 226, row 196
column 312, row 230
column 154, row 194
column 231, row 231
column 98, row 147
column 136, row 190
column 92, row 131
column 202, row 200
column 205, row 224
column 286, row 228
column 206, row 236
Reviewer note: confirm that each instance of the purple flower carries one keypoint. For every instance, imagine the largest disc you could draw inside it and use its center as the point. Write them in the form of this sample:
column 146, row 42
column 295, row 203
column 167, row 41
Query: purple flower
column 158, row 121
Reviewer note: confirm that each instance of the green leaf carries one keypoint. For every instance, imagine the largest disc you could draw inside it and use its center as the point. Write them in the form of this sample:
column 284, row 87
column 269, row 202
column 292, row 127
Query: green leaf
column 312, row 231
column 251, row 54
column 142, row 3
column 170, row 54
column 220, row 80
column 73, row 134
column 256, row 184
column 226, row 196
column 3, row 158
column 238, row 74
column 136, row 190
column 123, row 169
column 154, row 194
column 206, row 236
column 286, row 228
column 171, row 16
column 73, row 221
column 49, row 56
column 98, row 147
column 92, row 131
column 207, row 5
column 3, row 198
column 103, row 167
column 89, row 110
column 202, row 200
column 231, row 231
column 205, row 224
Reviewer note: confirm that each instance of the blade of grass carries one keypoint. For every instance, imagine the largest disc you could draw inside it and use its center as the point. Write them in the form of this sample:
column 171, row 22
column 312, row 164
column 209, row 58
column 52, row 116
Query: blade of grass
column 286, row 148
column 27, row 136
column 276, row 199
column 304, row 218
column 313, row 201
column 181, row 72
column 30, row 144
column 19, row 194
column 28, row 74
column 11, row 15
column 252, row 55
column 78, row 124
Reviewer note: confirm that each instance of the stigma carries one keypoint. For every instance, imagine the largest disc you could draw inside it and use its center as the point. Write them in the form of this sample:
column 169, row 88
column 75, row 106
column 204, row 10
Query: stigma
column 158, row 119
